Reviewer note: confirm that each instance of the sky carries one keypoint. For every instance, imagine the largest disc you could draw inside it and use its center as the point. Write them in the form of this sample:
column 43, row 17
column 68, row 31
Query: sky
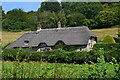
column 26, row 6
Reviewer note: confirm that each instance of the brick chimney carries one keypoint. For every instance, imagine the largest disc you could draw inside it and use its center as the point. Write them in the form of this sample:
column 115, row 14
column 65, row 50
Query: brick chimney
column 59, row 24
column 39, row 27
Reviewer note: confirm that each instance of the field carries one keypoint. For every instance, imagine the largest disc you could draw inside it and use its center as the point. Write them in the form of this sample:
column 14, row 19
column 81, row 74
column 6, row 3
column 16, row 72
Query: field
column 8, row 37
column 101, row 33
column 57, row 70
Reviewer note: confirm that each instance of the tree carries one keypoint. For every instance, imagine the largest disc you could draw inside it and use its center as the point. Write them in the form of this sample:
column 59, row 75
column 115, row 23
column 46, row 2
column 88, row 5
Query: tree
column 31, row 20
column 62, row 18
column 50, row 19
column 15, row 20
column 47, row 19
column 1, row 18
column 106, row 18
column 75, row 19
column 88, row 9
column 91, row 23
column 2, row 14
column 50, row 6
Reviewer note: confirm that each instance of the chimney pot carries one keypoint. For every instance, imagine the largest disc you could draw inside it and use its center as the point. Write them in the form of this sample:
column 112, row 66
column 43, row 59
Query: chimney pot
column 39, row 27
column 59, row 24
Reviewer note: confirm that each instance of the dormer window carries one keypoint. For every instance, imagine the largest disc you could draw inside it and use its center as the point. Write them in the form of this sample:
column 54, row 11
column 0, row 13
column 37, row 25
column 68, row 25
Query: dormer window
column 42, row 45
column 60, row 42
column 26, row 42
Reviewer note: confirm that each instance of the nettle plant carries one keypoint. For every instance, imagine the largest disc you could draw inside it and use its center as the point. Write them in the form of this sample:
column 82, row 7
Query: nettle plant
column 101, row 67
column 107, row 70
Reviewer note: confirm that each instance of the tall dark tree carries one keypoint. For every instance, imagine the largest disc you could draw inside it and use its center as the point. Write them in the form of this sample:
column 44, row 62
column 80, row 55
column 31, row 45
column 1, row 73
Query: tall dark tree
column 50, row 6
column 75, row 19
column 50, row 19
column 1, row 17
column 15, row 20
column 31, row 20
column 109, row 16
column 88, row 9
column 1, row 11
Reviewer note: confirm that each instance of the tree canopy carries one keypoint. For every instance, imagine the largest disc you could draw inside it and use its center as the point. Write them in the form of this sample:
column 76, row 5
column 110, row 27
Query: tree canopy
column 15, row 20
column 70, row 14
column 50, row 6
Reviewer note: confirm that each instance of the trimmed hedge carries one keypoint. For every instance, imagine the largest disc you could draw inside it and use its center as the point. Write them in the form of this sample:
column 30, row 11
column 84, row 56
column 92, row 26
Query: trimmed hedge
column 106, row 46
column 108, row 39
column 61, row 56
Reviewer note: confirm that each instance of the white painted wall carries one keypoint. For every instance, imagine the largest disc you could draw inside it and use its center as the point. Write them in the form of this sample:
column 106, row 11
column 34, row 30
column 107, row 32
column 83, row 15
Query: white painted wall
column 90, row 44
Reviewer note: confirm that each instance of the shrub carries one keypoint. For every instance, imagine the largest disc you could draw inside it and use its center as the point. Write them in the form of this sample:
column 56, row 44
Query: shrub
column 61, row 56
column 106, row 46
column 9, row 54
column 70, row 48
column 65, row 47
column 111, row 50
column 108, row 39
column 6, row 45
column 58, row 46
column 118, row 34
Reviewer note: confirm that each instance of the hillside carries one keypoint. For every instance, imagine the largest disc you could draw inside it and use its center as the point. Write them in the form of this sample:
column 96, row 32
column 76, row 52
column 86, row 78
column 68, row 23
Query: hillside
column 100, row 33
column 8, row 37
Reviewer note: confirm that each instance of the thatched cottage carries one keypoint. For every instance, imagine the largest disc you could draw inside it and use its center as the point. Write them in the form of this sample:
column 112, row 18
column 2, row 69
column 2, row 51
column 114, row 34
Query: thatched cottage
column 45, row 39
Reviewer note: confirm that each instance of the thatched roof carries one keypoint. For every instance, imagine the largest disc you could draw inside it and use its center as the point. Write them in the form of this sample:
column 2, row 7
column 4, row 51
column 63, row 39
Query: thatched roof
column 70, row 36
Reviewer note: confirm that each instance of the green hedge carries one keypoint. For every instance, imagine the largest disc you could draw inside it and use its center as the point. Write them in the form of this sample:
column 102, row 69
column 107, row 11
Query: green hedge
column 61, row 56
column 106, row 46
column 108, row 39
column 111, row 50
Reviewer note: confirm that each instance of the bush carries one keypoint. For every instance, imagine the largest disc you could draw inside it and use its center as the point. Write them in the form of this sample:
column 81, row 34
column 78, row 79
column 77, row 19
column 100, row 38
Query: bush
column 116, row 26
column 108, row 39
column 106, row 46
column 61, row 56
column 118, row 34
column 70, row 48
column 111, row 50
column 58, row 46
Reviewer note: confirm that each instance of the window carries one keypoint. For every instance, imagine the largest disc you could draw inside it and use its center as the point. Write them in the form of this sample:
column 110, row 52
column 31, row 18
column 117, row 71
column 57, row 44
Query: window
column 42, row 45
column 60, row 42
column 26, row 42
column 44, row 49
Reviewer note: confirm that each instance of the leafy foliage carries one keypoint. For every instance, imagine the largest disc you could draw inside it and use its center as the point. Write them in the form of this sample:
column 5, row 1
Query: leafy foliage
column 15, row 20
column 108, row 39
column 46, row 70
column 50, row 19
column 50, row 6
column 106, row 18
column 70, row 14
column 61, row 56
column 111, row 50
column 75, row 19
column 97, row 67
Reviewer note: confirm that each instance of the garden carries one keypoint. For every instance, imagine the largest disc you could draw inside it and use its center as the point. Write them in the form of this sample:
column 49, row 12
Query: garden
column 101, row 62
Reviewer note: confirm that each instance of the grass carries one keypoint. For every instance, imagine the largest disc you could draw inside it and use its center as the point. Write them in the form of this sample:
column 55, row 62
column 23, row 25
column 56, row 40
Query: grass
column 101, row 33
column 57, row 70
column 8, row 37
